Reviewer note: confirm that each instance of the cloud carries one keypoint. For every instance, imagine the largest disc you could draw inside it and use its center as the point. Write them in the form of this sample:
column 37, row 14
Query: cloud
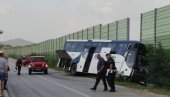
column 6, row 8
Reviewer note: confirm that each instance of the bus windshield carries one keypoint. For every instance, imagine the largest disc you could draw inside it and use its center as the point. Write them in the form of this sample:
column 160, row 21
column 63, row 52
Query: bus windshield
column 131, row 57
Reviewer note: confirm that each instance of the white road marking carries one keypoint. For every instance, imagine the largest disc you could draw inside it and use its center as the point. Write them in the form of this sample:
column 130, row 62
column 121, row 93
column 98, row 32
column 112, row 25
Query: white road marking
column 73, row 90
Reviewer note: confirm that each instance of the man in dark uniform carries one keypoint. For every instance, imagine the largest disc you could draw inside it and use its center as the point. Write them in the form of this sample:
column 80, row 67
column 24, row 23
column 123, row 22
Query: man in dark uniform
column 101, row 73
column 19, row 65
column 111, row 72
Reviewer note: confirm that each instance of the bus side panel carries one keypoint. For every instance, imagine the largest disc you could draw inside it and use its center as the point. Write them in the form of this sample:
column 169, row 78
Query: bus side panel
column 80, row 65
column 74, row 55
column 119, row 60
column 126, row 71
column 93, row 65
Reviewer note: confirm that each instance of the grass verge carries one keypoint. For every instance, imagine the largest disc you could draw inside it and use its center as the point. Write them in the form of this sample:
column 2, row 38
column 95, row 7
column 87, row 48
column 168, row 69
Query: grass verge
column 153, row 89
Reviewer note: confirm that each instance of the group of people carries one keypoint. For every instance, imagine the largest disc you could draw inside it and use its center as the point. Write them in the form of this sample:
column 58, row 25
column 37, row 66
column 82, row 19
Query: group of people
column 4, row 68
column 106, row 70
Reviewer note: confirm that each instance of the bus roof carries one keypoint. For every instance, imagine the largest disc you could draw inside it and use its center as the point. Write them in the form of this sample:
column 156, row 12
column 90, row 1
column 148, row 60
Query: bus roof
column 124, row 41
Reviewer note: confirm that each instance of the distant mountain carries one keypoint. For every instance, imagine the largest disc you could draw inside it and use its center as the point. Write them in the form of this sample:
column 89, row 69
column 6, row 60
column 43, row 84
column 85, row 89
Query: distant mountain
column 17, row 42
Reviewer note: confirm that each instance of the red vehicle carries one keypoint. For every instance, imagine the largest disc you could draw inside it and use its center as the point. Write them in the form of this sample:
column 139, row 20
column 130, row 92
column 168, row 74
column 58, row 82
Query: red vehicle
column 38, row 64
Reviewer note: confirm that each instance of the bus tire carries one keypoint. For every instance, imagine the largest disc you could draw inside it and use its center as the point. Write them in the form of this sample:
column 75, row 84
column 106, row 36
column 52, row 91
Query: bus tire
column 74, row 70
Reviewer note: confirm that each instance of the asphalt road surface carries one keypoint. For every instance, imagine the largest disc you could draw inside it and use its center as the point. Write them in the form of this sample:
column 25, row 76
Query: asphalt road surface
column 60, row 84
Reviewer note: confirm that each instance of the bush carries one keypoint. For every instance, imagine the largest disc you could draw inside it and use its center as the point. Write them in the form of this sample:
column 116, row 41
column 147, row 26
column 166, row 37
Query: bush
column 159, row 65
column 52, row 60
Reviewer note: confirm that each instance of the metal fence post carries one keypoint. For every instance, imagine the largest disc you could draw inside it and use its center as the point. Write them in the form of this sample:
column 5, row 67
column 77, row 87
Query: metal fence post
column 155, row 22
column 93, row 31
column 87, row 33
column 100, row 31
column 128, row 28
column 141, row 19
column 117, row 24
column 108, row 31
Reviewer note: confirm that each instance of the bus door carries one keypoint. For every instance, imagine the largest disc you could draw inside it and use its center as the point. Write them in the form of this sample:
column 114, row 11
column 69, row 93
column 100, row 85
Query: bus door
column 94, row 61
column 85, row 59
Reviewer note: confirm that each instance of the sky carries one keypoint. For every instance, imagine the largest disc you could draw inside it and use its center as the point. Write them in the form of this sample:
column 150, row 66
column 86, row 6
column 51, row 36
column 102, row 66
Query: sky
column 40, row 20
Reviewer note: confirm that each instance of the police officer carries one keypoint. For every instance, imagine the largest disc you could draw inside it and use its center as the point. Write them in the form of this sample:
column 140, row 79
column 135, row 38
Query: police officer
column 19, row 65
column 111, row 72
column 101, row 73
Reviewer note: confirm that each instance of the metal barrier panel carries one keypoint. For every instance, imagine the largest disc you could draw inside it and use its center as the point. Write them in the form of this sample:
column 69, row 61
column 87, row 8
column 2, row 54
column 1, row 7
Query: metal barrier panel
column 97, row 32
column 163, row 26
column 112, row 31
column 155, row 27
column 85, row 34
column 80, row 35
column 90, row 33
column 75, row 35
column 104, row 32
column 71, row 36
column 147, row 27
column 123, row 29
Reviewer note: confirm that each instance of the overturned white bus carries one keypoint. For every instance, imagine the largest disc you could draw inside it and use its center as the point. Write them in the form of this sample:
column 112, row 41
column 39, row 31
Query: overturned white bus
column 80, row 56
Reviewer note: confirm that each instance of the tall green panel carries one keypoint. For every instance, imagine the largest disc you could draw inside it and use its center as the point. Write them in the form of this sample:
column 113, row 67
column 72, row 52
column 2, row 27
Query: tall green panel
column 104, row 32
column 90, row 33
column 57, row 43
column 155, row 26
column 76, row 35
column 85, row 34
column 112, row 31
column 71, row 36
column 123, row 29
column 80, row 35
column 97, row 31
column 163, row 26
column 147, row 27
column 68, row 37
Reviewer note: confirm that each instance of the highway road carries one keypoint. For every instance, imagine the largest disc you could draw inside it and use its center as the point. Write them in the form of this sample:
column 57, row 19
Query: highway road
column 60, row 84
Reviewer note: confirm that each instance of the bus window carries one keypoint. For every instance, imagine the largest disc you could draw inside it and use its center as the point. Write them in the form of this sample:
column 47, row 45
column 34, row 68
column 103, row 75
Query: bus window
column 112, row 45
column 94, row 44
column 80, row 47
column 120, row 48
column 131, row 57
column 73, row 47
column 67, row 46
column 99, row 47
column 88, row 44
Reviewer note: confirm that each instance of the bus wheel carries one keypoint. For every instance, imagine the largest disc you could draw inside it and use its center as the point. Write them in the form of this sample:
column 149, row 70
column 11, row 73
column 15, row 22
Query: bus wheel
column 74, row 69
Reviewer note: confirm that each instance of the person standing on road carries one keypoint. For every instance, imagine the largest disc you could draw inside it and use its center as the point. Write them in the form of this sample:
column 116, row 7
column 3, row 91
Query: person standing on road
column 101, row 73
column 111, row 72
column 3, row 64
column 6, row 75
column 19, row 65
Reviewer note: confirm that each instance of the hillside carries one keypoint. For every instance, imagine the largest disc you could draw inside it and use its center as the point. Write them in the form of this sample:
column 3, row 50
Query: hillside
column 17, row 42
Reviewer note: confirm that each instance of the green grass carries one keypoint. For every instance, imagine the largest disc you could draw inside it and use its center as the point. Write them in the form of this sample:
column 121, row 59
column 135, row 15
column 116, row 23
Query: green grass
column 154, row 89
